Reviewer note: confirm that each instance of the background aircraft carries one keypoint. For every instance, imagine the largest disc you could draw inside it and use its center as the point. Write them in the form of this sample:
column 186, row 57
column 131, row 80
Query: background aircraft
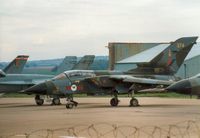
column 18, row 82
column 68, row 63
column 111, row 82
column 17, row 65
column 189, row 86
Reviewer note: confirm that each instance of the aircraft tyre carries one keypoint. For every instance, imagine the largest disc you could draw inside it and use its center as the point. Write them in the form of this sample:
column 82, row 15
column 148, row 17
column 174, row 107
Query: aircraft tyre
column 114, row 102
column 70, row 102
column 134, row 102
column 38, row 100
column 56, row 101
column 69, row 105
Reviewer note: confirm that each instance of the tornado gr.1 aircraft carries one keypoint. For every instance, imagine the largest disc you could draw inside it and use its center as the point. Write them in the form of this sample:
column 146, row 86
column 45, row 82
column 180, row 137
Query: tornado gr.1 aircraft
column 112, row 82
column 18, row 82
column 189, row 86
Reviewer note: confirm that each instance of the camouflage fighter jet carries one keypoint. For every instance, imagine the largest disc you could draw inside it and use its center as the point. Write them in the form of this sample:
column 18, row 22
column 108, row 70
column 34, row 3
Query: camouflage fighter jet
column 189, row 86
column 18, row 82
column 109, row 82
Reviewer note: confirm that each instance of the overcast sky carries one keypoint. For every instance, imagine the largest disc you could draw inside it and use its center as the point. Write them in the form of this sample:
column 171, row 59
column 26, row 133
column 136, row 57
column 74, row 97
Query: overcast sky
column 46, row 29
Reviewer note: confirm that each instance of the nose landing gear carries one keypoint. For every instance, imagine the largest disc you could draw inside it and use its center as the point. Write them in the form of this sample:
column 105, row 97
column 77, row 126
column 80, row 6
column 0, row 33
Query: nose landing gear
column 70, row 102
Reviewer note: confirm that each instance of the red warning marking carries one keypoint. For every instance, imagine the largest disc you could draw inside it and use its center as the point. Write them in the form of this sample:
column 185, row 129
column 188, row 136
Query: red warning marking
column 21, row 58
column 16, row 62
column 169, row 61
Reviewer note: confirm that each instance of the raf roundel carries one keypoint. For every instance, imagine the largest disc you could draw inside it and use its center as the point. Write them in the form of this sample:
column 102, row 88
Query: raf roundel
column 73, row 87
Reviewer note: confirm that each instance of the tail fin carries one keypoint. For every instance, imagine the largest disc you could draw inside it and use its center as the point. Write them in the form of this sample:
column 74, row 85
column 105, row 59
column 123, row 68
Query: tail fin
column 170, row 59
column 17, row 65
column 84, row 62
column 67, row 64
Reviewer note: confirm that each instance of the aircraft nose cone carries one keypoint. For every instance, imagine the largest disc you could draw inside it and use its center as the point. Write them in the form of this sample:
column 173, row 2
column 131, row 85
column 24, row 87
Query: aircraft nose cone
column 38, row 88
column 183, row 87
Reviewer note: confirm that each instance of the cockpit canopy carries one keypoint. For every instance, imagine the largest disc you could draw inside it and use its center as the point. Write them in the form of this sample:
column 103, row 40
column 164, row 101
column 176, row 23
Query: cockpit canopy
column 60, row 76
column 75, row 73
column 79, row 73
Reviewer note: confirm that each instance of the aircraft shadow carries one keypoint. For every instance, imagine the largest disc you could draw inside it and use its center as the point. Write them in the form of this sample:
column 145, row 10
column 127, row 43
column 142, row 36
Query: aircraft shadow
column 25, row 105
column 127, row 106
column 90, row 105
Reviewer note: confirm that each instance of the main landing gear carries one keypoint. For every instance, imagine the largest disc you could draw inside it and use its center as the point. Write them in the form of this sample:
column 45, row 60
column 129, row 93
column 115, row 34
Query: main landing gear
column 56, row 101
column 134, row 102
column 70, row 102
column 114, row 101
column 38, row 100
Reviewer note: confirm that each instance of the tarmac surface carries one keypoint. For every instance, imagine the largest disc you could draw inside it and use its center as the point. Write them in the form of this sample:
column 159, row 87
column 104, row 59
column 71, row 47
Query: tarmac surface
column 21, row 115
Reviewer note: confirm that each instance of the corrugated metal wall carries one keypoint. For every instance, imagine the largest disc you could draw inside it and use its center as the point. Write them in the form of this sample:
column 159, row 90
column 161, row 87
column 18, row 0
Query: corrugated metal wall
column 191, row 67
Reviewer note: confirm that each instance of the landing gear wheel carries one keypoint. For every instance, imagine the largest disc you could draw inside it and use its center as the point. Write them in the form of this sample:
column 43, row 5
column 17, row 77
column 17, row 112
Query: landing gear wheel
column 39, row 101
column 70, row 102
column 56, row 101
column 114, row 102
column 69, row 105
column 134, row 102
column 75, row 103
